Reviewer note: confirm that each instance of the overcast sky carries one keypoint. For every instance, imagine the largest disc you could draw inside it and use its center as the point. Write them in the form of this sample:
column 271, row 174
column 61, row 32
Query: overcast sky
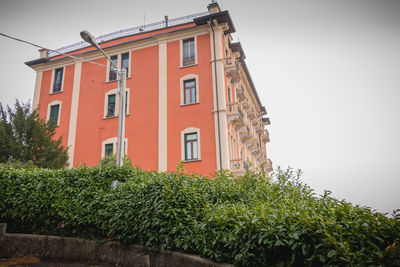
column 328, row 73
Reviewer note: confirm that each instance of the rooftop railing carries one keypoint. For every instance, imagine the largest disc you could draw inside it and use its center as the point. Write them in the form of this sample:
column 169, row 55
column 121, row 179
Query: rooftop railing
column 128, row 32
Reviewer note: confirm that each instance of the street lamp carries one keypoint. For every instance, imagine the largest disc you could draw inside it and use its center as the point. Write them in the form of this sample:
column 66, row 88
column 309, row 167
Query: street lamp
column 121, row 92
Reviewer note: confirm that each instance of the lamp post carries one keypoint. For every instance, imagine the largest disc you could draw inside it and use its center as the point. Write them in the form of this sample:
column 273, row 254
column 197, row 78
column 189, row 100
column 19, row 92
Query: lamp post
column 121, row 96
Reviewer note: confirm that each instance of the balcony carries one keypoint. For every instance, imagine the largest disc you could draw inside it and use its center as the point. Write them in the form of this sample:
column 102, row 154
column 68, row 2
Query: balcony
column 265, row 136
column 266, row 121
column 232, row 70
column 242, row 126
column 232, row 111
column 258, row 126
column 268, row 166
column 261, row 159
column 255, row 150
column 238, row 166
column 241, row 94
column 234, row 114
column 245, row 105
column 245, row 135
column 251, row 114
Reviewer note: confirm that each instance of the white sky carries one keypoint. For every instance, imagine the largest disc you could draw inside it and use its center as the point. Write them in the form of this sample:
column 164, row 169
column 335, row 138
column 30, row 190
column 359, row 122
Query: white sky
column 328, row 73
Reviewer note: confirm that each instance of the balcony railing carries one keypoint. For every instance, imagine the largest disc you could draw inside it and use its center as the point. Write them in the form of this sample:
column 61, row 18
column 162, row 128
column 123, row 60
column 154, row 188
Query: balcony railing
column 265, row 136
column 245, row 105
column 128, row 32
column 268, row 166
column 241, row 94
column 244, row 136
column 251, row 114
column 231, row 69
column 238, row 166
column 255, row 149
column 235, row 115
column 232, row 110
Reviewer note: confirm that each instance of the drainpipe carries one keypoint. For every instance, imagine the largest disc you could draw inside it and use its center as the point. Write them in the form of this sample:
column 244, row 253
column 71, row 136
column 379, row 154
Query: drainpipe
column 216, row 94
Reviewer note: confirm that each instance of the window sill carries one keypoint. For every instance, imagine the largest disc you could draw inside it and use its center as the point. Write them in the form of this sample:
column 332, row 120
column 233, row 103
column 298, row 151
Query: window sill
column 190, row 65
column 55, row 126
column 112, row 117
column 117, row 80
column 109, row 117
column 54, row 93
column 192, row 160
column 185, row 105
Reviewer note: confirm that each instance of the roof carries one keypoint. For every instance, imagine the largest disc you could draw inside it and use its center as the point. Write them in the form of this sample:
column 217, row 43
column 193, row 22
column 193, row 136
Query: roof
column 267, row 121
column 237, row 47
column 221, row 17
column 36, row 61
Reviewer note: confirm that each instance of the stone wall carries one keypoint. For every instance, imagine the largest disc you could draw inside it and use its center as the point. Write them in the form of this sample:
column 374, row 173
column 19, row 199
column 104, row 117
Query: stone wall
column 55, row 248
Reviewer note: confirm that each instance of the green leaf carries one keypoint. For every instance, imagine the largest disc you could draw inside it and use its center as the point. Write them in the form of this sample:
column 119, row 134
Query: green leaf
column 331, row 253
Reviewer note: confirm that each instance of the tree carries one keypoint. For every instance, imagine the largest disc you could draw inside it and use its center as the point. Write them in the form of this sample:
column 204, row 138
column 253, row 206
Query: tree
column 25, row 137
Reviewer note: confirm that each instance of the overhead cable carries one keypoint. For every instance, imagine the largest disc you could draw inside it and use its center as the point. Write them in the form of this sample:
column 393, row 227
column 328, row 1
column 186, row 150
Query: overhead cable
column 61, row 53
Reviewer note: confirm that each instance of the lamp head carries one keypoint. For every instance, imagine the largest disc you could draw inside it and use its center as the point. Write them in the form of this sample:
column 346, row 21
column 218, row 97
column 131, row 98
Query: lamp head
column 89, row 38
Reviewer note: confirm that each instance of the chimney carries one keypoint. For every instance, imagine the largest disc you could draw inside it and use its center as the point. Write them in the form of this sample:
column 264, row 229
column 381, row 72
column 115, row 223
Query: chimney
column 213, row 7
column 166, row 20
column 43, row 53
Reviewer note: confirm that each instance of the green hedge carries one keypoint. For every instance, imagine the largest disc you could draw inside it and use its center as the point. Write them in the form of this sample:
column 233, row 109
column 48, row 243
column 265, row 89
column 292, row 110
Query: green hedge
column 248, row 221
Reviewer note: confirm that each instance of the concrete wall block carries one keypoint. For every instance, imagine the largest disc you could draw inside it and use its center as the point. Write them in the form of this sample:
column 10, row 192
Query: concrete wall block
column 55, row 248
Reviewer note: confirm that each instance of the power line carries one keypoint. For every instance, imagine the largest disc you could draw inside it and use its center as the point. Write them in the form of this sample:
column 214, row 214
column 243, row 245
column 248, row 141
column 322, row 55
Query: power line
column 61, row 53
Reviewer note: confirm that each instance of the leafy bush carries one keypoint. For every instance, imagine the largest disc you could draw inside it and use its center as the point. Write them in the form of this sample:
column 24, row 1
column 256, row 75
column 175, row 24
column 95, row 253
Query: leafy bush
column 248, row 221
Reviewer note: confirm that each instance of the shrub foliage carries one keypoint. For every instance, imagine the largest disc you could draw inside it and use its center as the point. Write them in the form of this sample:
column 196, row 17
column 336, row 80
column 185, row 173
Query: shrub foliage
column 248, row 221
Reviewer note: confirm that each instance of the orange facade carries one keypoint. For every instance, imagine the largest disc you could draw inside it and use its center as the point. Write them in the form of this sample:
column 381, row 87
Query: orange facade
column 188, row 90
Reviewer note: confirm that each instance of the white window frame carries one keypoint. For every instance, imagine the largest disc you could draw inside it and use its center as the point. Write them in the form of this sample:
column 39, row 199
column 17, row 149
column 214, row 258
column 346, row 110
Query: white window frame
column 54, row 103
column 119, row 63
column 111, row 92
column 113, row 140
column 181, row 52
column 188, row 131
column 53, row 73
column 182, row 89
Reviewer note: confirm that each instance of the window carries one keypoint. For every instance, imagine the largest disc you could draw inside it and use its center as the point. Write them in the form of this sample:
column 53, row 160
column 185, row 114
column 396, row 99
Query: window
column 189, row 86
column 190, row 144
column 125, row 62
column 190, row 91
column 227, row 60
column 57, row 80
column 111, row 105
column 191, row 152
column 189, row 57
column 108, row 149
column 113, row 74
column 54, row 110
column 122, row 61
column 109, row 146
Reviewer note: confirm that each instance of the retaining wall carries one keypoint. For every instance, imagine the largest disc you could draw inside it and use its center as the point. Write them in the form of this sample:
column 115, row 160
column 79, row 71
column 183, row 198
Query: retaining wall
column 55, row 248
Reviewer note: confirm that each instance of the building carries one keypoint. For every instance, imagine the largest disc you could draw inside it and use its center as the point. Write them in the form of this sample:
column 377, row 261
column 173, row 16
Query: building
column 190, row 97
